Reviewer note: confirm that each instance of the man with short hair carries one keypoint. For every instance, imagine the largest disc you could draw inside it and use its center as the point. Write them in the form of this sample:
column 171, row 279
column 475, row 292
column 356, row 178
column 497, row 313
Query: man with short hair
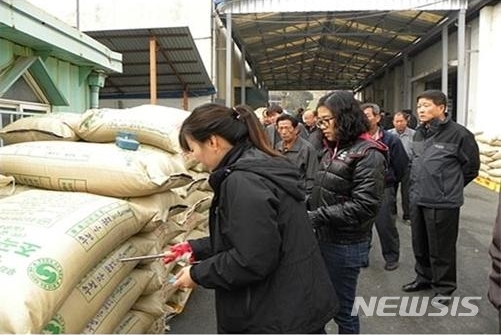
column 297, row 149
column 398, row 162
column 315, row 136
column 273, row 112
column 445, row 158
column 405, row 134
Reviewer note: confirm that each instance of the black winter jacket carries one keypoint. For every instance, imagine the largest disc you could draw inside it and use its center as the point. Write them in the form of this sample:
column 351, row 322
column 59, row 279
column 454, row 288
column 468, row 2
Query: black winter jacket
column 348, row 191
column 398, row 161
column 262, row 257
column 445, row 158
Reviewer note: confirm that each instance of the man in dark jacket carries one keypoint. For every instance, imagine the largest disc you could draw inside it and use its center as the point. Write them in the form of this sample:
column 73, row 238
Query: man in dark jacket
column 297, row 149
column 273, row 112
column 445, row 158
column 386, row 218
column 315, row 136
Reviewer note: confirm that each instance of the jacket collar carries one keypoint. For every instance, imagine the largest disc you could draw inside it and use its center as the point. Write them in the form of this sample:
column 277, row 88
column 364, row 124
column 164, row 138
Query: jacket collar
column 222, row 170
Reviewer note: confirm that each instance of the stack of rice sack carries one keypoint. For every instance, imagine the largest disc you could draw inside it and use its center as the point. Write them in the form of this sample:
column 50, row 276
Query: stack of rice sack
column 60, row 251
column 490, row 156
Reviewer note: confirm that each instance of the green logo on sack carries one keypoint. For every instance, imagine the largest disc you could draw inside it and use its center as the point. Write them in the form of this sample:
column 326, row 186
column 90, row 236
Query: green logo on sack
column 55, row 326
column 46, row 273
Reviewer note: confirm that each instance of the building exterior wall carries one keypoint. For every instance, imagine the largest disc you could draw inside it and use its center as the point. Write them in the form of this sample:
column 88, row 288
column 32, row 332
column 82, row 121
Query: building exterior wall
column 67, row 79
column 483, row 47
column 489, row 71
column 65, row 75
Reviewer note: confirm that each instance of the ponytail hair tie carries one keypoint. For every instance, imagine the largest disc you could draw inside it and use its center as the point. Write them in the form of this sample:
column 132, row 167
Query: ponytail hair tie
column 235, row 113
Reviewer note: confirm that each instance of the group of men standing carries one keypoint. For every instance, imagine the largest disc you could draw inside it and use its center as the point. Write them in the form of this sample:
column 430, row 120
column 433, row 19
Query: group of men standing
column 431, row 164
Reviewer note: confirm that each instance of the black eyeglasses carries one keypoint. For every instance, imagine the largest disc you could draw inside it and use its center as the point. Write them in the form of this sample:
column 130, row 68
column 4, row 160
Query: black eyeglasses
column 324, row 122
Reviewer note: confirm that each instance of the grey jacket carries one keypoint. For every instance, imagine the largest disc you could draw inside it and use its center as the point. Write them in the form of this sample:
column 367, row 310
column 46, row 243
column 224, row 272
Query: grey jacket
column 305, row 157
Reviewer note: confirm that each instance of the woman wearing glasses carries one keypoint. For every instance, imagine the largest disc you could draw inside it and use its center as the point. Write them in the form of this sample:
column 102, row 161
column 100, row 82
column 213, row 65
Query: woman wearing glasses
column 346, row 196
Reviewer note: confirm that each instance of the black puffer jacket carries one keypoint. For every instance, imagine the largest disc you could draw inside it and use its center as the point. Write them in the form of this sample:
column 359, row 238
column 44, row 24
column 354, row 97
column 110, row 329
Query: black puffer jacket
column 262, row 257
column 347, row 192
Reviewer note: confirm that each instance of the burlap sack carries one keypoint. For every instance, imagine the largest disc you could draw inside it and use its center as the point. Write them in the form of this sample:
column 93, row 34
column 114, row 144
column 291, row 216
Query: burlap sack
column 495, row 164
column 152, row 124
column 159, row 326
column 153, row 304
column 157, row 282
column 44, row 127
column 51, row 240
column 135, row 322
column 178, row 300
column 161, row 205
column 484, row 167
column 200, row 182
column 99, row 168
column 96, row 286
column 200, row 201
column 494, row 172
column 118, row 303
column 487, row 150
column 163, row 234
column 7, row 185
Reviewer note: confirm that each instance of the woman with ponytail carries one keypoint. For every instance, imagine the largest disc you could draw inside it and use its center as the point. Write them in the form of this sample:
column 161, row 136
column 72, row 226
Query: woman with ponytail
column 261, row 256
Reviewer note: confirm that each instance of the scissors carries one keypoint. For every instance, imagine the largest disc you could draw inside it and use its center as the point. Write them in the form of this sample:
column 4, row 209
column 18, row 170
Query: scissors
column 138, row 258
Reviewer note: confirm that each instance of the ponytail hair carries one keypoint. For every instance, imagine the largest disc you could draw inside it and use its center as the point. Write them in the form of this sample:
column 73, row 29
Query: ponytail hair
column 236, row 125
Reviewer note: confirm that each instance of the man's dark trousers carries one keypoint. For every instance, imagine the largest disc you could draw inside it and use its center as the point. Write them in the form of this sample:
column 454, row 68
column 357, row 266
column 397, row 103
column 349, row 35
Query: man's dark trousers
column 434, row 236
column 386, row 226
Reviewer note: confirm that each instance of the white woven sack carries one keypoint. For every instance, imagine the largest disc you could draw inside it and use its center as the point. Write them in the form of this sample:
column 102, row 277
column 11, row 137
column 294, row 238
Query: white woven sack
column 118, row 303
column 152, row 124
column 44, row 127
column 99, row 168
column 161, row 205
column 51, row 240
column 135, row 322
column 95, row 287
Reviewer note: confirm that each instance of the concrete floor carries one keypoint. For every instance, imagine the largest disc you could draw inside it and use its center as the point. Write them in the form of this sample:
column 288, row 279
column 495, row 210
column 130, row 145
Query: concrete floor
column 473, row 261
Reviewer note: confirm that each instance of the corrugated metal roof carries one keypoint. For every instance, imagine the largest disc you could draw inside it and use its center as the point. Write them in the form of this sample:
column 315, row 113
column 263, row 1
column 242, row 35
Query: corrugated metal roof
column 323, row 45
column 179, row 65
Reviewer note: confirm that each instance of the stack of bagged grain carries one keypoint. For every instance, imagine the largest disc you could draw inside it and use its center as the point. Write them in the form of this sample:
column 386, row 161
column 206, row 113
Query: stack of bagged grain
column 134, row 215
column 490, row 156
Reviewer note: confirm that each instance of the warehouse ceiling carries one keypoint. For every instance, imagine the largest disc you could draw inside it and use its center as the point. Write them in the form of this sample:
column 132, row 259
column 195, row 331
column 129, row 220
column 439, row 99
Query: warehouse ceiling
column 179, row 67
column 323, row 50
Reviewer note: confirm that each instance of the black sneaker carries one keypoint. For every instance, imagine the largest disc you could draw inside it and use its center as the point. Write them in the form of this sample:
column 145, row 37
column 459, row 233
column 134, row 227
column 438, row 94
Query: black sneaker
column 390, row 266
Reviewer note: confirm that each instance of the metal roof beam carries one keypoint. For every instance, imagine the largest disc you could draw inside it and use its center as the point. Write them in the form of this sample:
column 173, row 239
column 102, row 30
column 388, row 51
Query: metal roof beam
column 286, row 6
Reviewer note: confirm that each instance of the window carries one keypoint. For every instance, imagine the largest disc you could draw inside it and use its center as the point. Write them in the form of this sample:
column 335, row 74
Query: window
column 12, row 110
